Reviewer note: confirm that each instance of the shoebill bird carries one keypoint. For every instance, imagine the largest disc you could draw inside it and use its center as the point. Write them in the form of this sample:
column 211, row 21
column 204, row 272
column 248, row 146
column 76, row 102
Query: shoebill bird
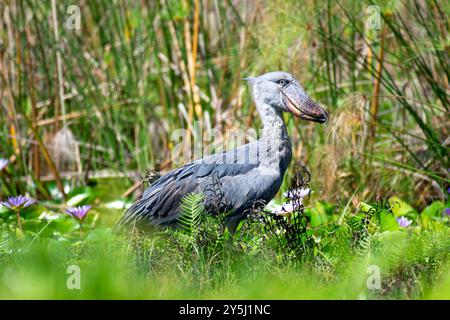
column 246, row 174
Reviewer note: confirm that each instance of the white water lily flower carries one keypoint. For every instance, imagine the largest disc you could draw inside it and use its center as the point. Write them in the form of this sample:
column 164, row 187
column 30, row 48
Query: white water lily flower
column 284, row 208
column 48, row 216
column 3, row 163
column 297, row 193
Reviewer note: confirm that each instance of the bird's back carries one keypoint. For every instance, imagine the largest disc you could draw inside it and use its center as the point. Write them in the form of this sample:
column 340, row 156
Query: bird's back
column 241, row 174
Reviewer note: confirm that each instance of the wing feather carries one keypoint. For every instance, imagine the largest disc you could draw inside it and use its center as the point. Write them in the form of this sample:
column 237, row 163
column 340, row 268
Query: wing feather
column 160, row 202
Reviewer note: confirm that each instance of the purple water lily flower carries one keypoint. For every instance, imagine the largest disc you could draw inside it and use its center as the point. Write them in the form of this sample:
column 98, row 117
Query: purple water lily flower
column 403, row 222
column 3, row 163
column 78, row 213
column 16, row 204
column 19, row 202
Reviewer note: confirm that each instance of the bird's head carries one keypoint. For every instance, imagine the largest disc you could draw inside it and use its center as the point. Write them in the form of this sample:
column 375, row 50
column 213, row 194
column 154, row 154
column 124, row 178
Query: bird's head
column 283, row 92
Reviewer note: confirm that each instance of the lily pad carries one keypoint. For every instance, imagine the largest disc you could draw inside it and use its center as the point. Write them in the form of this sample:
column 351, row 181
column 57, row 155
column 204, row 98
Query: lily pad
column 433, row 210
column 401, row 208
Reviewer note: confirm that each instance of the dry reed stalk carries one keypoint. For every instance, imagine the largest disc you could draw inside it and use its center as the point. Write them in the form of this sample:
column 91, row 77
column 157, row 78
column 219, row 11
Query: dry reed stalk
column 48, row 159
column 9, row 81
column 183, row 70
column 181, row 63
column 58, row 69
column 34, row 116
column 80, row 114
column 11, row 111
column 192, row 61
column 374, row 105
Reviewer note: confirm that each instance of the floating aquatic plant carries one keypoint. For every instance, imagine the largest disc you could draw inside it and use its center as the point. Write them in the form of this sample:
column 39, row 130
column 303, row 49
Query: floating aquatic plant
column 16, row 204
column 79, row 214
column 403, row 222
column 3, row 163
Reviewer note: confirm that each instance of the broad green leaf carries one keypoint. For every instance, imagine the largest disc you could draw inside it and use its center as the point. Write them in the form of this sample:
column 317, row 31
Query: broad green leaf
column 387, row 221
column 365, row 207
column 433, row 210
column 400, row 207
column 319, row 214
column 318, row 219
column 77, row 200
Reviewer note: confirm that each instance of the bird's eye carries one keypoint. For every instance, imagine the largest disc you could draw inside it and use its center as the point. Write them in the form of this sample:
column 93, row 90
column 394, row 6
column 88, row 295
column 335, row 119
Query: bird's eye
column 282, row 82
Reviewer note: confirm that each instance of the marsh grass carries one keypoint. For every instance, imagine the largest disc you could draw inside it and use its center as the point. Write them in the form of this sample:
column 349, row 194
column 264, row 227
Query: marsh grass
column 130, row 79
column 172, row 264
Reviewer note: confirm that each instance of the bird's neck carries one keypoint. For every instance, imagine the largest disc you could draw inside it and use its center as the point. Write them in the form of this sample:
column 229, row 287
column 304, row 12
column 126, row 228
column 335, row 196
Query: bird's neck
column 274, row 128
column 274, row 139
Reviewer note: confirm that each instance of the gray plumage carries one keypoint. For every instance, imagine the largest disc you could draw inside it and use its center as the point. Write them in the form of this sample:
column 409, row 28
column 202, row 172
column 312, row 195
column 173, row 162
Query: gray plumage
column 249, row 173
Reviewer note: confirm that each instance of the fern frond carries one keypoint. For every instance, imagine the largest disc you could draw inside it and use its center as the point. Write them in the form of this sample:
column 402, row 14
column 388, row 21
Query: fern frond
column 191, row 212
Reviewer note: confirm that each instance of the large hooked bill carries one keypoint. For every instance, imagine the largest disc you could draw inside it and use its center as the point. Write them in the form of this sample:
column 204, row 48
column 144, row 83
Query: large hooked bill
column 302, row 106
